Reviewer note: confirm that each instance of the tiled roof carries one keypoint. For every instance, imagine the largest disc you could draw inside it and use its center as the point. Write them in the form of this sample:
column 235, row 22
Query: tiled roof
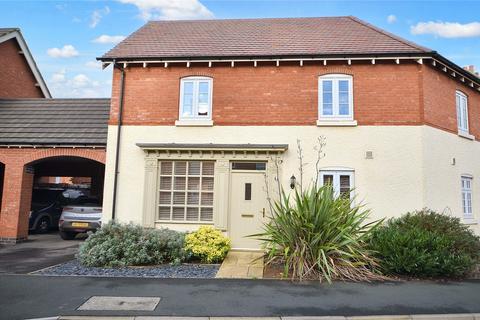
column 54, row 121
column 260, row 38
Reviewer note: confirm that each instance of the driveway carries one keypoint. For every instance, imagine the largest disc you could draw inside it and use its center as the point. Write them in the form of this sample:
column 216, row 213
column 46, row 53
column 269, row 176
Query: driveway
column 38, row 252
column 32, row 296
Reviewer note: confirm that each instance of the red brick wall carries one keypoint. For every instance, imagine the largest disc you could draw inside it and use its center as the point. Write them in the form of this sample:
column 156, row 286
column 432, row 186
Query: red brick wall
column 18, row 182
column 439, row 99
column 16, row 78
column 384, row 93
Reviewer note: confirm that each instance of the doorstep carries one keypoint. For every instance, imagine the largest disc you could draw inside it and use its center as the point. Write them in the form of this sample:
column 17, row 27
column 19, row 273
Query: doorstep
column 242, row 265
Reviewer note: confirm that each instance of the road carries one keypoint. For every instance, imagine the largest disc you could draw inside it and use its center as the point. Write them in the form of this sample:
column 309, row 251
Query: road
column 31, row 296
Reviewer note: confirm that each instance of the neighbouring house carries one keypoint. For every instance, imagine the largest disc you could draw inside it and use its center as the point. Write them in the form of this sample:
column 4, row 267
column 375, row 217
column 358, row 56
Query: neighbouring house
column 40, row 136
column 20, row 77
column 205, row 113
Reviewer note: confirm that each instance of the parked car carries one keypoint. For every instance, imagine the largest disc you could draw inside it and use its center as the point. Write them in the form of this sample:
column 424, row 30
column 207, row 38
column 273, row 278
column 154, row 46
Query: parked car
column 47, row 206
column 83, row 216
column 45, row 210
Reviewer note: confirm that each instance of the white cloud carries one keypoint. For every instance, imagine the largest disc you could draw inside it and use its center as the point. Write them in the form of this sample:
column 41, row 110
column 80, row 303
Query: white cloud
column 59, row 77
column 78, row 86
column 170, row 9
column 104, row 38
column 97, row 15
column 67, row 51
column 447, row 29
column 93, row 64
column 391, row 18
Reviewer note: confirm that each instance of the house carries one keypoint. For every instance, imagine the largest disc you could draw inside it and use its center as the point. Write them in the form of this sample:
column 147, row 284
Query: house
column 20, row 77
column 41, row 136
column 205, row 114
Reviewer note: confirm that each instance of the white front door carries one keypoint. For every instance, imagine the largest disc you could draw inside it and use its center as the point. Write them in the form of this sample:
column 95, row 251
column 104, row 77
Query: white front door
column 248, row 208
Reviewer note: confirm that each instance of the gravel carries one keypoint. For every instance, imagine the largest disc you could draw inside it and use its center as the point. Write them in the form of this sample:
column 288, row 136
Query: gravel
column 74, row 268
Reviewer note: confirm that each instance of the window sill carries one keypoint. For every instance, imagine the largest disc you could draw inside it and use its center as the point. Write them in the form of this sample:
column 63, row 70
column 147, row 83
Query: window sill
column 336, row 123
column 466, row 135
column 194, row 123
column 184, row 222
column 469, row 221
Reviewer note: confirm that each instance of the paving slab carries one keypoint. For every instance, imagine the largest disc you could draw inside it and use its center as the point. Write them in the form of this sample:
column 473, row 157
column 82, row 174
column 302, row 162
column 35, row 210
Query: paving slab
column 242, row 265
column 109, row 303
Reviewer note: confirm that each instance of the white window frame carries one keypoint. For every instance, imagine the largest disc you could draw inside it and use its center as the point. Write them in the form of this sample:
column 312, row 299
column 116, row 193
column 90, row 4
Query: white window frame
column 462, row 114
column 336, row 173
column 467, row 197
column 335, row 78
column 195, row 80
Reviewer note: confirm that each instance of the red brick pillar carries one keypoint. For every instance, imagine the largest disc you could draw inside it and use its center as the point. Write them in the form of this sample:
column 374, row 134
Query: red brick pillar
column 17, row 197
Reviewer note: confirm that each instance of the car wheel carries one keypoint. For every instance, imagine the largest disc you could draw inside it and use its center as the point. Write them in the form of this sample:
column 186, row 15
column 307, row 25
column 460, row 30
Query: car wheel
column 67, row 235
column 43, row 225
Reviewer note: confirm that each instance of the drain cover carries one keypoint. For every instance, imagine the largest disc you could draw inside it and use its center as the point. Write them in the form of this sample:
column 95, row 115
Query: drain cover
column 120, row 303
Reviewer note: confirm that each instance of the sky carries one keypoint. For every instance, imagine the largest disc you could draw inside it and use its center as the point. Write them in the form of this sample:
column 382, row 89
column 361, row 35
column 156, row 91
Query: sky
column 65, row 37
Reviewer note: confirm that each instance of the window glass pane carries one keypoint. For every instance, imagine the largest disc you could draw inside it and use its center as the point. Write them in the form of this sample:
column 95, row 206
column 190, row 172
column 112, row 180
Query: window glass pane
column 248, row 191
column 165, row 183
column 194, row 168
column 207, row 168
column 166, row 167
column 187, row 107
column 249, row 165
column 207, row 184
column 206, row 214
column 192, row 214
column 194, row 183
column 328, row 179
column 165, row 198
column 179, row 198
column 345, row 185
column 343, row 86
column 327, row 96
column 179, row 183
column 164, row 213
column 180, row 168
column 327, row 85
column 193, row 198
column 207, row 199
column 178, row 213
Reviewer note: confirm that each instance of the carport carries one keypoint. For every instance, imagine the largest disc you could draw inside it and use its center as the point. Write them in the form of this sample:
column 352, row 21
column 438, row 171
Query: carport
column 47, row 137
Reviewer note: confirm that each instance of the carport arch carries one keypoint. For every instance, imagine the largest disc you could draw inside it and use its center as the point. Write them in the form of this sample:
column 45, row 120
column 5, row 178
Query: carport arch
column 95, row 155
column 18, row 182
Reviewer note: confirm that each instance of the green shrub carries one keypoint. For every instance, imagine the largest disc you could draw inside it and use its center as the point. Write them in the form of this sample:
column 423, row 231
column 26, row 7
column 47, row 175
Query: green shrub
column 426, row 244
column 117, row 245
column 207, row 244
column 318, row 236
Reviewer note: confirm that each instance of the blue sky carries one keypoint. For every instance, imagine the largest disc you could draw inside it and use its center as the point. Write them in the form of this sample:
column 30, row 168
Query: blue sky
column 65, row 37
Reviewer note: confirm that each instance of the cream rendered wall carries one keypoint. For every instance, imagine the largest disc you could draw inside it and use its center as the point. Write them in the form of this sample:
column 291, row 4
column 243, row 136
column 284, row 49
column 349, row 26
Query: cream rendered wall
column 442, row 179
column 390, row 184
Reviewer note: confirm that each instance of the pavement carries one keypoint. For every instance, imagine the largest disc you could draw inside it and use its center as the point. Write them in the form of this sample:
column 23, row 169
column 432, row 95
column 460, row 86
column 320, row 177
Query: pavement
column 242, row 265
column 31, row 296
column 38, row 252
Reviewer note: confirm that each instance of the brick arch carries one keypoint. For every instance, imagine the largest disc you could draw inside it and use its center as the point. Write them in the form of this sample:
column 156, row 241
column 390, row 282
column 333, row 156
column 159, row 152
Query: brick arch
column 98, row 155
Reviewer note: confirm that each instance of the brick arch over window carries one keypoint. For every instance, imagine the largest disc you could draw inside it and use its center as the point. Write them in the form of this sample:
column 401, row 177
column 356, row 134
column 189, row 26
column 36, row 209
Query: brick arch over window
column 95, row 155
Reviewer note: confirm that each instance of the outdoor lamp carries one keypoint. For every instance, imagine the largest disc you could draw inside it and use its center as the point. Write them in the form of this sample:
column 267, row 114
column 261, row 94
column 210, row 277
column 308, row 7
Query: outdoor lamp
column 293, row 182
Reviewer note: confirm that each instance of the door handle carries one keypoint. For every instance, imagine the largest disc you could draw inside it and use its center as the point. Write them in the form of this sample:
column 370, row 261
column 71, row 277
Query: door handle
column 263, row 212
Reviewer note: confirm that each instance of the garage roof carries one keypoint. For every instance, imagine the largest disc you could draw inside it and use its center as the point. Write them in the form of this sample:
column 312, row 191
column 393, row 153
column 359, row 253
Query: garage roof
column 50, row 122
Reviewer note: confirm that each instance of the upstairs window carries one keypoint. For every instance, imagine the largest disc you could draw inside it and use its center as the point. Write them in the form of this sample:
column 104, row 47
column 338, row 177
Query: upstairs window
column 462, row 112
column 335, row 97
column 467, row 197
column 196, row 98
